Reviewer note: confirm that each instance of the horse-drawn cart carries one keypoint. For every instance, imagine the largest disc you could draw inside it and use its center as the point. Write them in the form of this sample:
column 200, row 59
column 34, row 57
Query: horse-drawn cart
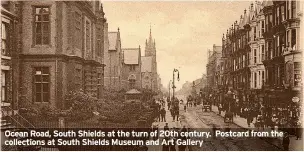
column 206, row 106
column 228, row 117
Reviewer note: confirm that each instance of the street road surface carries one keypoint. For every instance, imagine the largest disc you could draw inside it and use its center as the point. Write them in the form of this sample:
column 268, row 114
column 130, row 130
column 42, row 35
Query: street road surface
column 195, row 118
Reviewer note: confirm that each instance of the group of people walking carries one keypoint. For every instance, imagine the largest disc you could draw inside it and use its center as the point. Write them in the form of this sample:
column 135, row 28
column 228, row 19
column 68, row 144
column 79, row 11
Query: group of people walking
column 262, row 117
column 173, row 108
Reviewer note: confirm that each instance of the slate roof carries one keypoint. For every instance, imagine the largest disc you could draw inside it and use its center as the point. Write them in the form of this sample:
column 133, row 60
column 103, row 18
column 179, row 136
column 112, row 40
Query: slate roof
column 112, row 36
column 131, row 55
column 146, row 64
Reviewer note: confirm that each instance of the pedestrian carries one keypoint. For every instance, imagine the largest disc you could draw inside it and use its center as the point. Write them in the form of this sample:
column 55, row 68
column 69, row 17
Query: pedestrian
column 299, row 130
column 169, row 104
column 177, row 113
column 286, row 142
column 258, row 122
column 163, row 113
column 185, row 108
column 249, row 117
column 172, row 114
column 220, row 108
column 159, row 114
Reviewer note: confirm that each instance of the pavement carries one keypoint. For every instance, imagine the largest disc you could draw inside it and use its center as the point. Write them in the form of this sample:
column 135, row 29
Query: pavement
column 295, row 145
column 171, row 124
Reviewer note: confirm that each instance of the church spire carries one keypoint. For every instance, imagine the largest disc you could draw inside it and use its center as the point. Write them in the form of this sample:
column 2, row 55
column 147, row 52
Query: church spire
column 150, row 38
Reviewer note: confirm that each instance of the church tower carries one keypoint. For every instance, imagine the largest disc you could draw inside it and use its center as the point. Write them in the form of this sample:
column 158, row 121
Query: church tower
column 150, row 50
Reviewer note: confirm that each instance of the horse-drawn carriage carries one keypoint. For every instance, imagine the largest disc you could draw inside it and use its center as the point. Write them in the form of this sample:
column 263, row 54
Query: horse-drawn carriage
column 206, row 106
column 228, row 117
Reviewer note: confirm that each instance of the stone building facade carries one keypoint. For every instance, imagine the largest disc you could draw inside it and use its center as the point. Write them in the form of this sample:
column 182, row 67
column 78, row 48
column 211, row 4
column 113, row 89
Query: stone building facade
column 257, row 46
column 9, row 57
column 131, row 69
column 262, row 54
column 62, row 50
column 113, row 61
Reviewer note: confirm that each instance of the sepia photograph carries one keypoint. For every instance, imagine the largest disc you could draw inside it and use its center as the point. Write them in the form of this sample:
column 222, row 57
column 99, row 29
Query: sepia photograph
column 99, row 75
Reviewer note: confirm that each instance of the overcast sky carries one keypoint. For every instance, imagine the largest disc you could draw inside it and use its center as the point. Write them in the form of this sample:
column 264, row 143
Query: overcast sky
column 183, row 31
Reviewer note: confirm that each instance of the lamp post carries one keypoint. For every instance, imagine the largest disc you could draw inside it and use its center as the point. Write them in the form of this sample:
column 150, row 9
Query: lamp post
column 169, row 88
column 173, row 87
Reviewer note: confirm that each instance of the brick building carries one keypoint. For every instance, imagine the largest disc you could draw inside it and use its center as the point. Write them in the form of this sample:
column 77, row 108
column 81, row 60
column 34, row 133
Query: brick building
column 62, row 50
column 131, row 69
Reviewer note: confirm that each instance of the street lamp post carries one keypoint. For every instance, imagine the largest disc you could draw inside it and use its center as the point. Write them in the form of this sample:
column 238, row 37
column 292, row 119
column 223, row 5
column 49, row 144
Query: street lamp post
column 173, row 87
column 169, row 88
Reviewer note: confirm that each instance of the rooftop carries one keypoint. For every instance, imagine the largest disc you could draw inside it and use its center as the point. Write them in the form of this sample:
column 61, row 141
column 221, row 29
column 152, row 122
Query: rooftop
column 131, row 55
column 112, row 36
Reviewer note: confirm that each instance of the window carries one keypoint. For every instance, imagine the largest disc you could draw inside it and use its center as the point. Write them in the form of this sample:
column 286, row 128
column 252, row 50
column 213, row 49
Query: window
column 4, row 86
column 288, row 43
column 99, row 83
column 282, row 13
column 259, row 78
column 263, row 27
column 255, row 56
column 270, row 22
column 288, row 9
column 278, row 46
column 293, row 38
column 78, row 80
column 293, row 9
column 263, row 52
column 255, row 79
column 78, row 34
column 42, row 26
column 42, row 88
column 270, row 55
column 4, row 38
column 98, row 50
column 88, row 36
column 277, row 16
column 263, row 77
column 254, row 33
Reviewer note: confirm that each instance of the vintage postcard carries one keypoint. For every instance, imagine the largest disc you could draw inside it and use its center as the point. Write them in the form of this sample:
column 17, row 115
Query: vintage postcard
column 93, row 75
